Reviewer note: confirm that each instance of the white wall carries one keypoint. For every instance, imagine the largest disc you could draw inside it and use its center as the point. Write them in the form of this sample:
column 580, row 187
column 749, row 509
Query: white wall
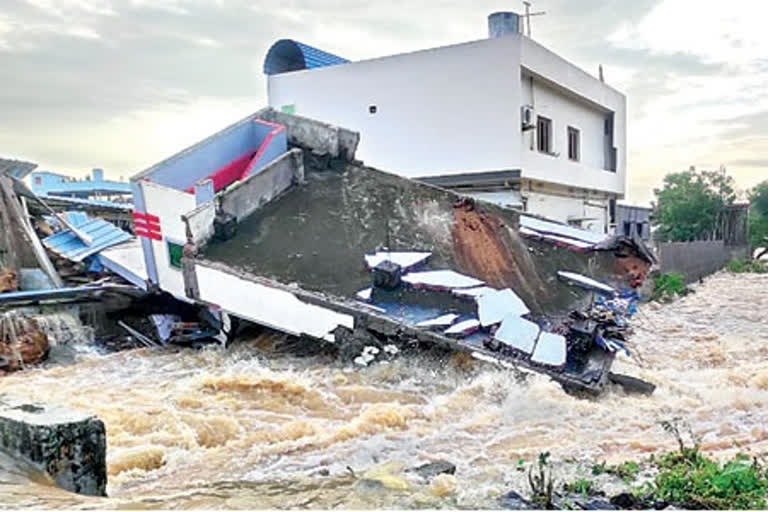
column 457, row 109
column 567, row 94
column 169, row 204
column 563, row 209
column 440, row 111
column 505, row 198
column 267, row 306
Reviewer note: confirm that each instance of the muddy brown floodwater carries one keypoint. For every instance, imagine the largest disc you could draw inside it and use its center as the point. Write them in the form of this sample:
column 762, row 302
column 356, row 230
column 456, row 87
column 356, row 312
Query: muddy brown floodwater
column 251, row 428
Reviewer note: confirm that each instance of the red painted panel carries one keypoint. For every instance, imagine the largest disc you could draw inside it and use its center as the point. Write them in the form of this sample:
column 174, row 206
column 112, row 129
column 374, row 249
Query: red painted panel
column 149, row 226
column 137, row 215
column 229, row 173
column 148, row 234
column 262, row 148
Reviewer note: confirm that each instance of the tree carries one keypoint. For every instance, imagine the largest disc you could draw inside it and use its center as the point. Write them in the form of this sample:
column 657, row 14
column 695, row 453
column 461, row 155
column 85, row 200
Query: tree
column 758, row 218
column 691, row 203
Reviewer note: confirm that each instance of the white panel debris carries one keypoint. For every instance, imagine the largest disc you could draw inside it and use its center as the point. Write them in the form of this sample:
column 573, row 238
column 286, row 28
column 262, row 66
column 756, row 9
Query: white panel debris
column 585, row 282
column 518, row 333
column 364, row 295
column 441, row 280
column 405, row 259
column 473, row 292
column 543, row 226
column 440, row 321
column 493, row 307
column 127, row 261
column 570, row 241
column 464, row 328
column 550, row 350
column 272, row 307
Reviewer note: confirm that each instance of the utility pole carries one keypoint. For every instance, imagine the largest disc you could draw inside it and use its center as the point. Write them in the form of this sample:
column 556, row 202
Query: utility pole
column 528, row 15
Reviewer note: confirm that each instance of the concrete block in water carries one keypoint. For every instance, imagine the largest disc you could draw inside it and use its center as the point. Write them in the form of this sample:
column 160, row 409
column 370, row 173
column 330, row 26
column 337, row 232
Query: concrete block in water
column 70, row 446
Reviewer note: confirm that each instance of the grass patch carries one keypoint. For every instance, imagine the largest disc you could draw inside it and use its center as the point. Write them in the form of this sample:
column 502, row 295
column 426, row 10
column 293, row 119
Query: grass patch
column 692, row 480
column 627, row 471
column 688, row 479
column 581, row 486
column 668, row 286
column 742, row 267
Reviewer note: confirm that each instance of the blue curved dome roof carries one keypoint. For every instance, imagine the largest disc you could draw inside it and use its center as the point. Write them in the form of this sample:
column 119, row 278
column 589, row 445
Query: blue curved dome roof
column 289, row 55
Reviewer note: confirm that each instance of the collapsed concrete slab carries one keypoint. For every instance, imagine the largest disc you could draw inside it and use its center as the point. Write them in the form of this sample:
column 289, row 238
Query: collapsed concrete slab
column 295, row 253
column 69, row 446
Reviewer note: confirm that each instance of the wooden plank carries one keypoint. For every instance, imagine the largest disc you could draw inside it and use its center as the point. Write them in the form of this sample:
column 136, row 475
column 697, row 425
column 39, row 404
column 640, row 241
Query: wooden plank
column 15, row 212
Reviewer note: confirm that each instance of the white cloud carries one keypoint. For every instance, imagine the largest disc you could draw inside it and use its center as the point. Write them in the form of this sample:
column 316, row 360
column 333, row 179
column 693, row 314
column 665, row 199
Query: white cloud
column 679, row 127
column 732, row 32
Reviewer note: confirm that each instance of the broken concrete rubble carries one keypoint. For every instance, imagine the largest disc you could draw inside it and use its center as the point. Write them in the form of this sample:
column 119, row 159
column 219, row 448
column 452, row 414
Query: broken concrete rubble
column 22, row 342
column 69, row 446
column 494, row 306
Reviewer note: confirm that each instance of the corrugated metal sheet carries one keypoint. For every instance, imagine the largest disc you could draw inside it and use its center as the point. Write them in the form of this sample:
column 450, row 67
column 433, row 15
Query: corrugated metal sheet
column 127, row 261
column 89, row 202
column 103, row 234
column 77, row 219
column 316, row 58
column 289, row 55
column 62, row 295
column 16, row 168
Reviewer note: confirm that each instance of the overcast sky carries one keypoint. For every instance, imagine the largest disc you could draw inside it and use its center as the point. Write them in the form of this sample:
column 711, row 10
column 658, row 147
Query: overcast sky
column 121, row 84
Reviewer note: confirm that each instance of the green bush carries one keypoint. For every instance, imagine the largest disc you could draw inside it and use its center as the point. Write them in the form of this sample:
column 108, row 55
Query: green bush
column 692, row 480
column 740, row 267
column 736, row 266
column 668, row 285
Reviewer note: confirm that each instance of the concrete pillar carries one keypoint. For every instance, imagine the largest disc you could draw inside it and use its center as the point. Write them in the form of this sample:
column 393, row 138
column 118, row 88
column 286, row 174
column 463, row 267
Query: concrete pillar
column 70, row 446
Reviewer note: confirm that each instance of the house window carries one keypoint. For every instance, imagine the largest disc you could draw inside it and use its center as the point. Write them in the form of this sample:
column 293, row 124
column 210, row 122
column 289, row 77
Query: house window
column 627, row 228
column 372, row 109
column 175, row 253
column 544, row 134
column 38, row 180
column 574, row 149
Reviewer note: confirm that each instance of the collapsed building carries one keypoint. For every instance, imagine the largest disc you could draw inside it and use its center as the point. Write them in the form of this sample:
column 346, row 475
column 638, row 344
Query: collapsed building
column 274, row 221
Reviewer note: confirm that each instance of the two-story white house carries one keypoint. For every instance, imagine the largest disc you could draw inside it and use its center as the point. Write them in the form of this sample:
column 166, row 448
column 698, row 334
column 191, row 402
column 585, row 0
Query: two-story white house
column 503, row 119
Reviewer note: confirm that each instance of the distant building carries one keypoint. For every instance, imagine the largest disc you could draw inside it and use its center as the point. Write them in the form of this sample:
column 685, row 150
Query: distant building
column 634, row 221
column 503, row 119
column 46, row 183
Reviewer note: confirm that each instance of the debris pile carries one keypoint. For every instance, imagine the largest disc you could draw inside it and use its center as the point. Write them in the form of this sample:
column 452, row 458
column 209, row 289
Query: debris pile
column 9, row 281
column 22, row 342
column 468, row 310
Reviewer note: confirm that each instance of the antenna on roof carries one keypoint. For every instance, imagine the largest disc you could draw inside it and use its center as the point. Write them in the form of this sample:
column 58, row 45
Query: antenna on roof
column 528, row 15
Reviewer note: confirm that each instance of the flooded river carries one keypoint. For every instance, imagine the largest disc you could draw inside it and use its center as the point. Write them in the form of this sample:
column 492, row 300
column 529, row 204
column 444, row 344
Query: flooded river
column 252, row 427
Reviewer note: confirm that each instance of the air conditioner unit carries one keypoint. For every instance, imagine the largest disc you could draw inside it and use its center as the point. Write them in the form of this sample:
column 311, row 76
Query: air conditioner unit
column 527, row 116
